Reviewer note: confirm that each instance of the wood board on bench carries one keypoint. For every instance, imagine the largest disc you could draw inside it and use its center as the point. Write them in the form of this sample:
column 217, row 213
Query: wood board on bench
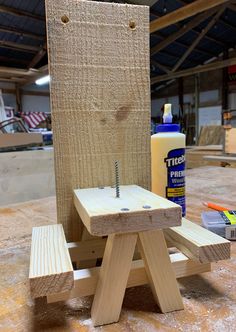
column 135, row 210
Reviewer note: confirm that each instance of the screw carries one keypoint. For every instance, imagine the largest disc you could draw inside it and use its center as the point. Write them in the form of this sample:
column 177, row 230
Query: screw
column 124, row 209
column 117, row 177
column 146, row 206
column 101, row 187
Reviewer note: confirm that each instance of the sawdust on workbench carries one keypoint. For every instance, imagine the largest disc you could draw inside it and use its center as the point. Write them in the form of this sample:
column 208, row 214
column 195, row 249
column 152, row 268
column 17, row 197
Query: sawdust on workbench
column 209, row 299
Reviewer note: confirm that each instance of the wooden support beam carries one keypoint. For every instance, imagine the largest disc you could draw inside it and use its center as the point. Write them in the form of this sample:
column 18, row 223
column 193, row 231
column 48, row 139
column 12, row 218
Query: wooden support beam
column 221, row 20
column 162, row 67
column 160, row 274
column 181, row 99
column 19, row 47
column 182, row 13
column 183, row 30
column 225, row 87
column 196, row 30
column 113, row 277
column 198, row 69
column 198, row 243
column 198, row 49
column 85, row 280
column 51, row 270
column 21, row 32
column 26, row 92
column 17, row 12
column 38, row 57
column 227, row 24
column 12, row 79
column 18, row 98
column 17, row 71
column 199, row 38
column 196, row 105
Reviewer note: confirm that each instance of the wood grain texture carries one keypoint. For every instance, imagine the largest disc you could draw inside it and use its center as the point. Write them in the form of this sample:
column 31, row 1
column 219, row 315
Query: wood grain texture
column 86, row 279
column 139, row 311
column 20, row 139
column 230, row 140
column 51, row 270
column 198, row 243
column 100, row 98
column 159, row 270
column 101, row 211
column 113, row 277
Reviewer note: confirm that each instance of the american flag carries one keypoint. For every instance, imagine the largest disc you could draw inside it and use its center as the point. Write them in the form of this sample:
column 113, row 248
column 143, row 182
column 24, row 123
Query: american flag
column 33, row 119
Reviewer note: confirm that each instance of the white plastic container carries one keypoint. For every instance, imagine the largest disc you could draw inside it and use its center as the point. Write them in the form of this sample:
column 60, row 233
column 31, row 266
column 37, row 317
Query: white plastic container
column 168, row 161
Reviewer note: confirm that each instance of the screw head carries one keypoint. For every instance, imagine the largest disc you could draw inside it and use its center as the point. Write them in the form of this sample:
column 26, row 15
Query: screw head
column 124, row 209
column 147, row 207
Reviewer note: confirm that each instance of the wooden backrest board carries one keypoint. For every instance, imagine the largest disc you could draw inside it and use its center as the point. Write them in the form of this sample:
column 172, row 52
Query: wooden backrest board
column 100, row 98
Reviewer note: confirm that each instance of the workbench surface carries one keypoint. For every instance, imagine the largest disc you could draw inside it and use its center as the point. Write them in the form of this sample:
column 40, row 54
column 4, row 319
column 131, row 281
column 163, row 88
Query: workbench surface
column 209, row 299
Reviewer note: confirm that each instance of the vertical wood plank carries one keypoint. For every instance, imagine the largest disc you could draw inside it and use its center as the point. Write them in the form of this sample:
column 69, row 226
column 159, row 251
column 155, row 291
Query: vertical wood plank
column 113, row 278
column 100, row 98
column 159, row 270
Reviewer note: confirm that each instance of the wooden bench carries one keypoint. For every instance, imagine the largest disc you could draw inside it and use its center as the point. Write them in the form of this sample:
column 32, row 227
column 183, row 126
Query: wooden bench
column 197, row 242
column 51, row 269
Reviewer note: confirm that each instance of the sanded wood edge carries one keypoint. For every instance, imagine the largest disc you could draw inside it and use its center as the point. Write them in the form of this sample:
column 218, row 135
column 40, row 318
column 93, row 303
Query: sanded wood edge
column 135, row 222
column 43, row 286
column 215, row 252
column 188, row 241
column 82, row 212
column 86, row 280
column 51, row 269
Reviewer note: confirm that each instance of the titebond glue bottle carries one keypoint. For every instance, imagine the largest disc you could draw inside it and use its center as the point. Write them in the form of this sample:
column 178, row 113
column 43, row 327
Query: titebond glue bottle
column 168, row 160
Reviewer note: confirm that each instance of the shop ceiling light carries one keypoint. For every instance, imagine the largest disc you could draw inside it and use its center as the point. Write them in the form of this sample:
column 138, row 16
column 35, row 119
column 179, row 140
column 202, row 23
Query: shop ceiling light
column 43, row 80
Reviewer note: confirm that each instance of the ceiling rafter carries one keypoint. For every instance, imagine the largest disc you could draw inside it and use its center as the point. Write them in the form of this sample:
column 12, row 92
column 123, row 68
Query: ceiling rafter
column 194, row 29
column 184, row 12
column 199, row 38
column 18, row 46
column 158, row 34
column 182, row 31
column 221, row 20
column 18, row 12
column 191, row 71
column 21, row 32
column 175, row 56
column 38, row 57
column 161, row 66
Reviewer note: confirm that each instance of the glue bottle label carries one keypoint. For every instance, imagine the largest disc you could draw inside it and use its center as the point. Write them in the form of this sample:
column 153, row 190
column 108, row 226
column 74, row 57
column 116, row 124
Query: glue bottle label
column 175, row 190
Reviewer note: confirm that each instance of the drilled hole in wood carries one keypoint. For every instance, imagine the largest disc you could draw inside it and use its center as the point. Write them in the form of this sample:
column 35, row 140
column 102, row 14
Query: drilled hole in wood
column 65, row 19
column 132, row 25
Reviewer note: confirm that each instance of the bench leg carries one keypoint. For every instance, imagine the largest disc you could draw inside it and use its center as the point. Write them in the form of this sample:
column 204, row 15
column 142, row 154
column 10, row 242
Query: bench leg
column 113, row 278
column 160, row 273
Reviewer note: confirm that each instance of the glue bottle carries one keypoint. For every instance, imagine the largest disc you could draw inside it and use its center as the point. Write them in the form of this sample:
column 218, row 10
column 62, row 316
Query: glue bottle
column 168, row 160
